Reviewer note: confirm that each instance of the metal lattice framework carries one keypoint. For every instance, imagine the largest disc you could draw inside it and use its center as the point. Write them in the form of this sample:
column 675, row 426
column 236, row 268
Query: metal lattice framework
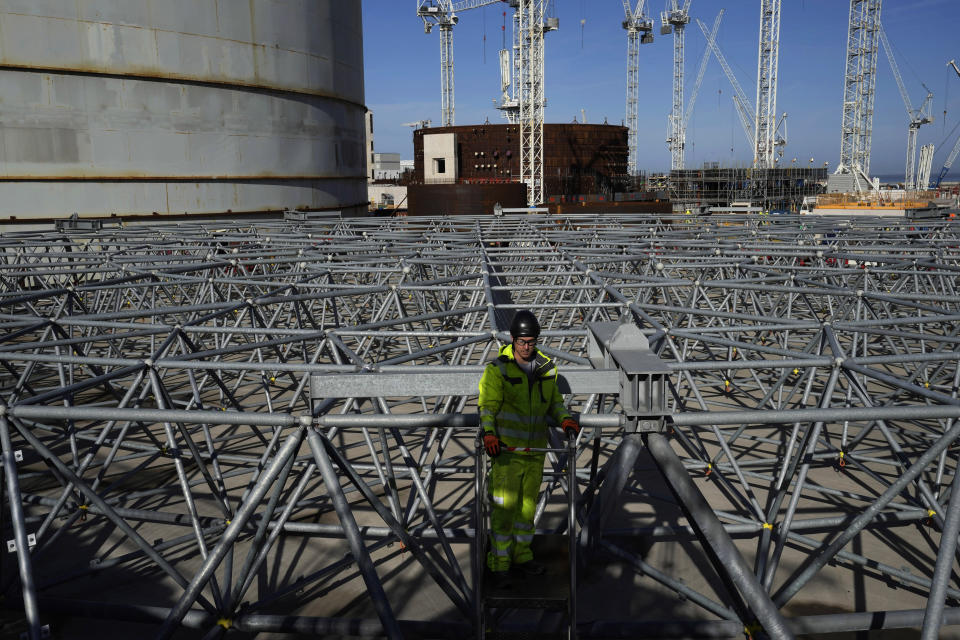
column 165, row 463
column 768, row 62
column 676, row 17
column 859, row 84
column 532, row 98
column 638, row 26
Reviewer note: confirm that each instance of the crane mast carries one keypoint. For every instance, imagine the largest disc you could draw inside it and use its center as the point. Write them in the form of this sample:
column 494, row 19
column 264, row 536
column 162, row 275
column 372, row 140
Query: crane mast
column 859, row 83
column 638, row 27
column 675, row 19
column 767, row 64
column 509, row 105
column 926, row 163
column 532, row 23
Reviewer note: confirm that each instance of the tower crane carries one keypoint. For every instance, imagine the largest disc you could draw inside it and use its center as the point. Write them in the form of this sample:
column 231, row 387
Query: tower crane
column 859, row 84
column 675, row 18
column 767, row 65
column 638, row 26
column 532, row 24
column 443, row 14
column 918, row 117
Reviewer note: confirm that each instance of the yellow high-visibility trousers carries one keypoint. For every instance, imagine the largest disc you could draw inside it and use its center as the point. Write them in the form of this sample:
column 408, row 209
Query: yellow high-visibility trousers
column 514, row 487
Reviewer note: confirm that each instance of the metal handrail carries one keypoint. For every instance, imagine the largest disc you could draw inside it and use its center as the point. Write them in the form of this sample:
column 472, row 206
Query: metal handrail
column 480, row 526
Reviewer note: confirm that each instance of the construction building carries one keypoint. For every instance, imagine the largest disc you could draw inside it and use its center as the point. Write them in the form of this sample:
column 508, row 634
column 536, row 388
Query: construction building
column 467, row 169
column 712, row 186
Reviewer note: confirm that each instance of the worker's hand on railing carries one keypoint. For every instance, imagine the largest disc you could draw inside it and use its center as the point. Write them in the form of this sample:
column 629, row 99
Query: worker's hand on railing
column 571, row 428
column 491, row 444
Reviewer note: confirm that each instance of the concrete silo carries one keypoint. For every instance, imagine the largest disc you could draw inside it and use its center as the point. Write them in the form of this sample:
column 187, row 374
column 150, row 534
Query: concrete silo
column 180, row 106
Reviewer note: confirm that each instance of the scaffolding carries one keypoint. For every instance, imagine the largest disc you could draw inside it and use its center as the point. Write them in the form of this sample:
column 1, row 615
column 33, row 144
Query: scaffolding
column 768, row 189
column 271, row 426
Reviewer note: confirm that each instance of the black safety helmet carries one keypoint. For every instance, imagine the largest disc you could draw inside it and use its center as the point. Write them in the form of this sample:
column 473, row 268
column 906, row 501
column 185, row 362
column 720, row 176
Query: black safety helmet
column 524, row 325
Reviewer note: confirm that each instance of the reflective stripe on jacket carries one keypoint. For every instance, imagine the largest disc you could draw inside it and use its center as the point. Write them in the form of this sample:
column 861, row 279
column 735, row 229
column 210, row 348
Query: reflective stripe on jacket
column 514, row 406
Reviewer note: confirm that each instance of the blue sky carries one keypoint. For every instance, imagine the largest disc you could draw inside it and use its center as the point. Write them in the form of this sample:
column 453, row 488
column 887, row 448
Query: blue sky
column 586, row 69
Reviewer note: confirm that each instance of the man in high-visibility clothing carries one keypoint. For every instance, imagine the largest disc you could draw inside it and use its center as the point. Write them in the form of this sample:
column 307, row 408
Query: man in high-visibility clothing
column 518, row 391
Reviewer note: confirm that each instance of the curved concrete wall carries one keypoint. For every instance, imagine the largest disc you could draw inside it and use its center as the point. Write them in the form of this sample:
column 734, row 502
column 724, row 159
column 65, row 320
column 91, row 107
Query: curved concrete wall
column 173, row 106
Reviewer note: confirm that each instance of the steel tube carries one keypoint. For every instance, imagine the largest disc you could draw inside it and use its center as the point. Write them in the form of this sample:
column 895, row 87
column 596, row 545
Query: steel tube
column 24, row 564
column 225, row 545
column 790, row 589
column 730, row 564
column 374, row 587
column 933, row 618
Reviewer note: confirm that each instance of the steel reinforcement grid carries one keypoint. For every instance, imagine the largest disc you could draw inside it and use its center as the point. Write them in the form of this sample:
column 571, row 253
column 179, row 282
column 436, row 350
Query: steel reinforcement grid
column 168, row 474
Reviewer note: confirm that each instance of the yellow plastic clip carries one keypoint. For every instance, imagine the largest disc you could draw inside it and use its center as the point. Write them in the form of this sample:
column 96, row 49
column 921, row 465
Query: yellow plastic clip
column 768, row 525
column 931, row 513
column 926, row 385
column 709, row 469
column 796, row 371
column 226, row 623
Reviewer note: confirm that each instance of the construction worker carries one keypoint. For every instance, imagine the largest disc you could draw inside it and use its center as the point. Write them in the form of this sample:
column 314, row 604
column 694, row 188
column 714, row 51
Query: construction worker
column 518, row 391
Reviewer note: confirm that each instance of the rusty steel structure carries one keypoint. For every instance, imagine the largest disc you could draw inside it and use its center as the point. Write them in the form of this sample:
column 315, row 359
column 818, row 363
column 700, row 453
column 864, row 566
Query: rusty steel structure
column 174, row 107
column 577, row 158
column 271, row 427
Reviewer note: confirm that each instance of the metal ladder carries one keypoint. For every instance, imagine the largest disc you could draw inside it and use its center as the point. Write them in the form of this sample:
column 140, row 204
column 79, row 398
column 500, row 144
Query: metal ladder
column 534, row 593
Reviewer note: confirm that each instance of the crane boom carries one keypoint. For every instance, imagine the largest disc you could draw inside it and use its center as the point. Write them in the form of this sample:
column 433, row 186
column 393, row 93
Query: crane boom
column 896, row 71
column 741, row 101
column 917, row 117
column 956, row 146
column 463, row 5
column 703, row 68
column 950, row 160
column 442, row 13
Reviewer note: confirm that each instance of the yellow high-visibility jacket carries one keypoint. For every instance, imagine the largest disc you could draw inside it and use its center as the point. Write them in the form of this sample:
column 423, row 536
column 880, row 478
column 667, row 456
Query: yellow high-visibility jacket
column 513, row 406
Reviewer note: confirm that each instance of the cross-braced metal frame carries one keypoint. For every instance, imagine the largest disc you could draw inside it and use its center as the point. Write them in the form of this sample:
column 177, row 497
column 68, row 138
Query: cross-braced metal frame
column 164, row 460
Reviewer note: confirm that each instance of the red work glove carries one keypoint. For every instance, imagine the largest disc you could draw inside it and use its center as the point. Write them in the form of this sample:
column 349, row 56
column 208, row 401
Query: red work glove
column 492, row 444
column 570, row 427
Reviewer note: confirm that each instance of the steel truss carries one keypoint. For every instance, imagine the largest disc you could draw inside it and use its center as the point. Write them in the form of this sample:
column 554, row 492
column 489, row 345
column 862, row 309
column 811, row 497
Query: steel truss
column 165, row 463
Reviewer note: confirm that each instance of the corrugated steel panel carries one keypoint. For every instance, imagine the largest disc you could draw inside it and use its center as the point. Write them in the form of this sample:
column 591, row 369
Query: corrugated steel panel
column 215, row 104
